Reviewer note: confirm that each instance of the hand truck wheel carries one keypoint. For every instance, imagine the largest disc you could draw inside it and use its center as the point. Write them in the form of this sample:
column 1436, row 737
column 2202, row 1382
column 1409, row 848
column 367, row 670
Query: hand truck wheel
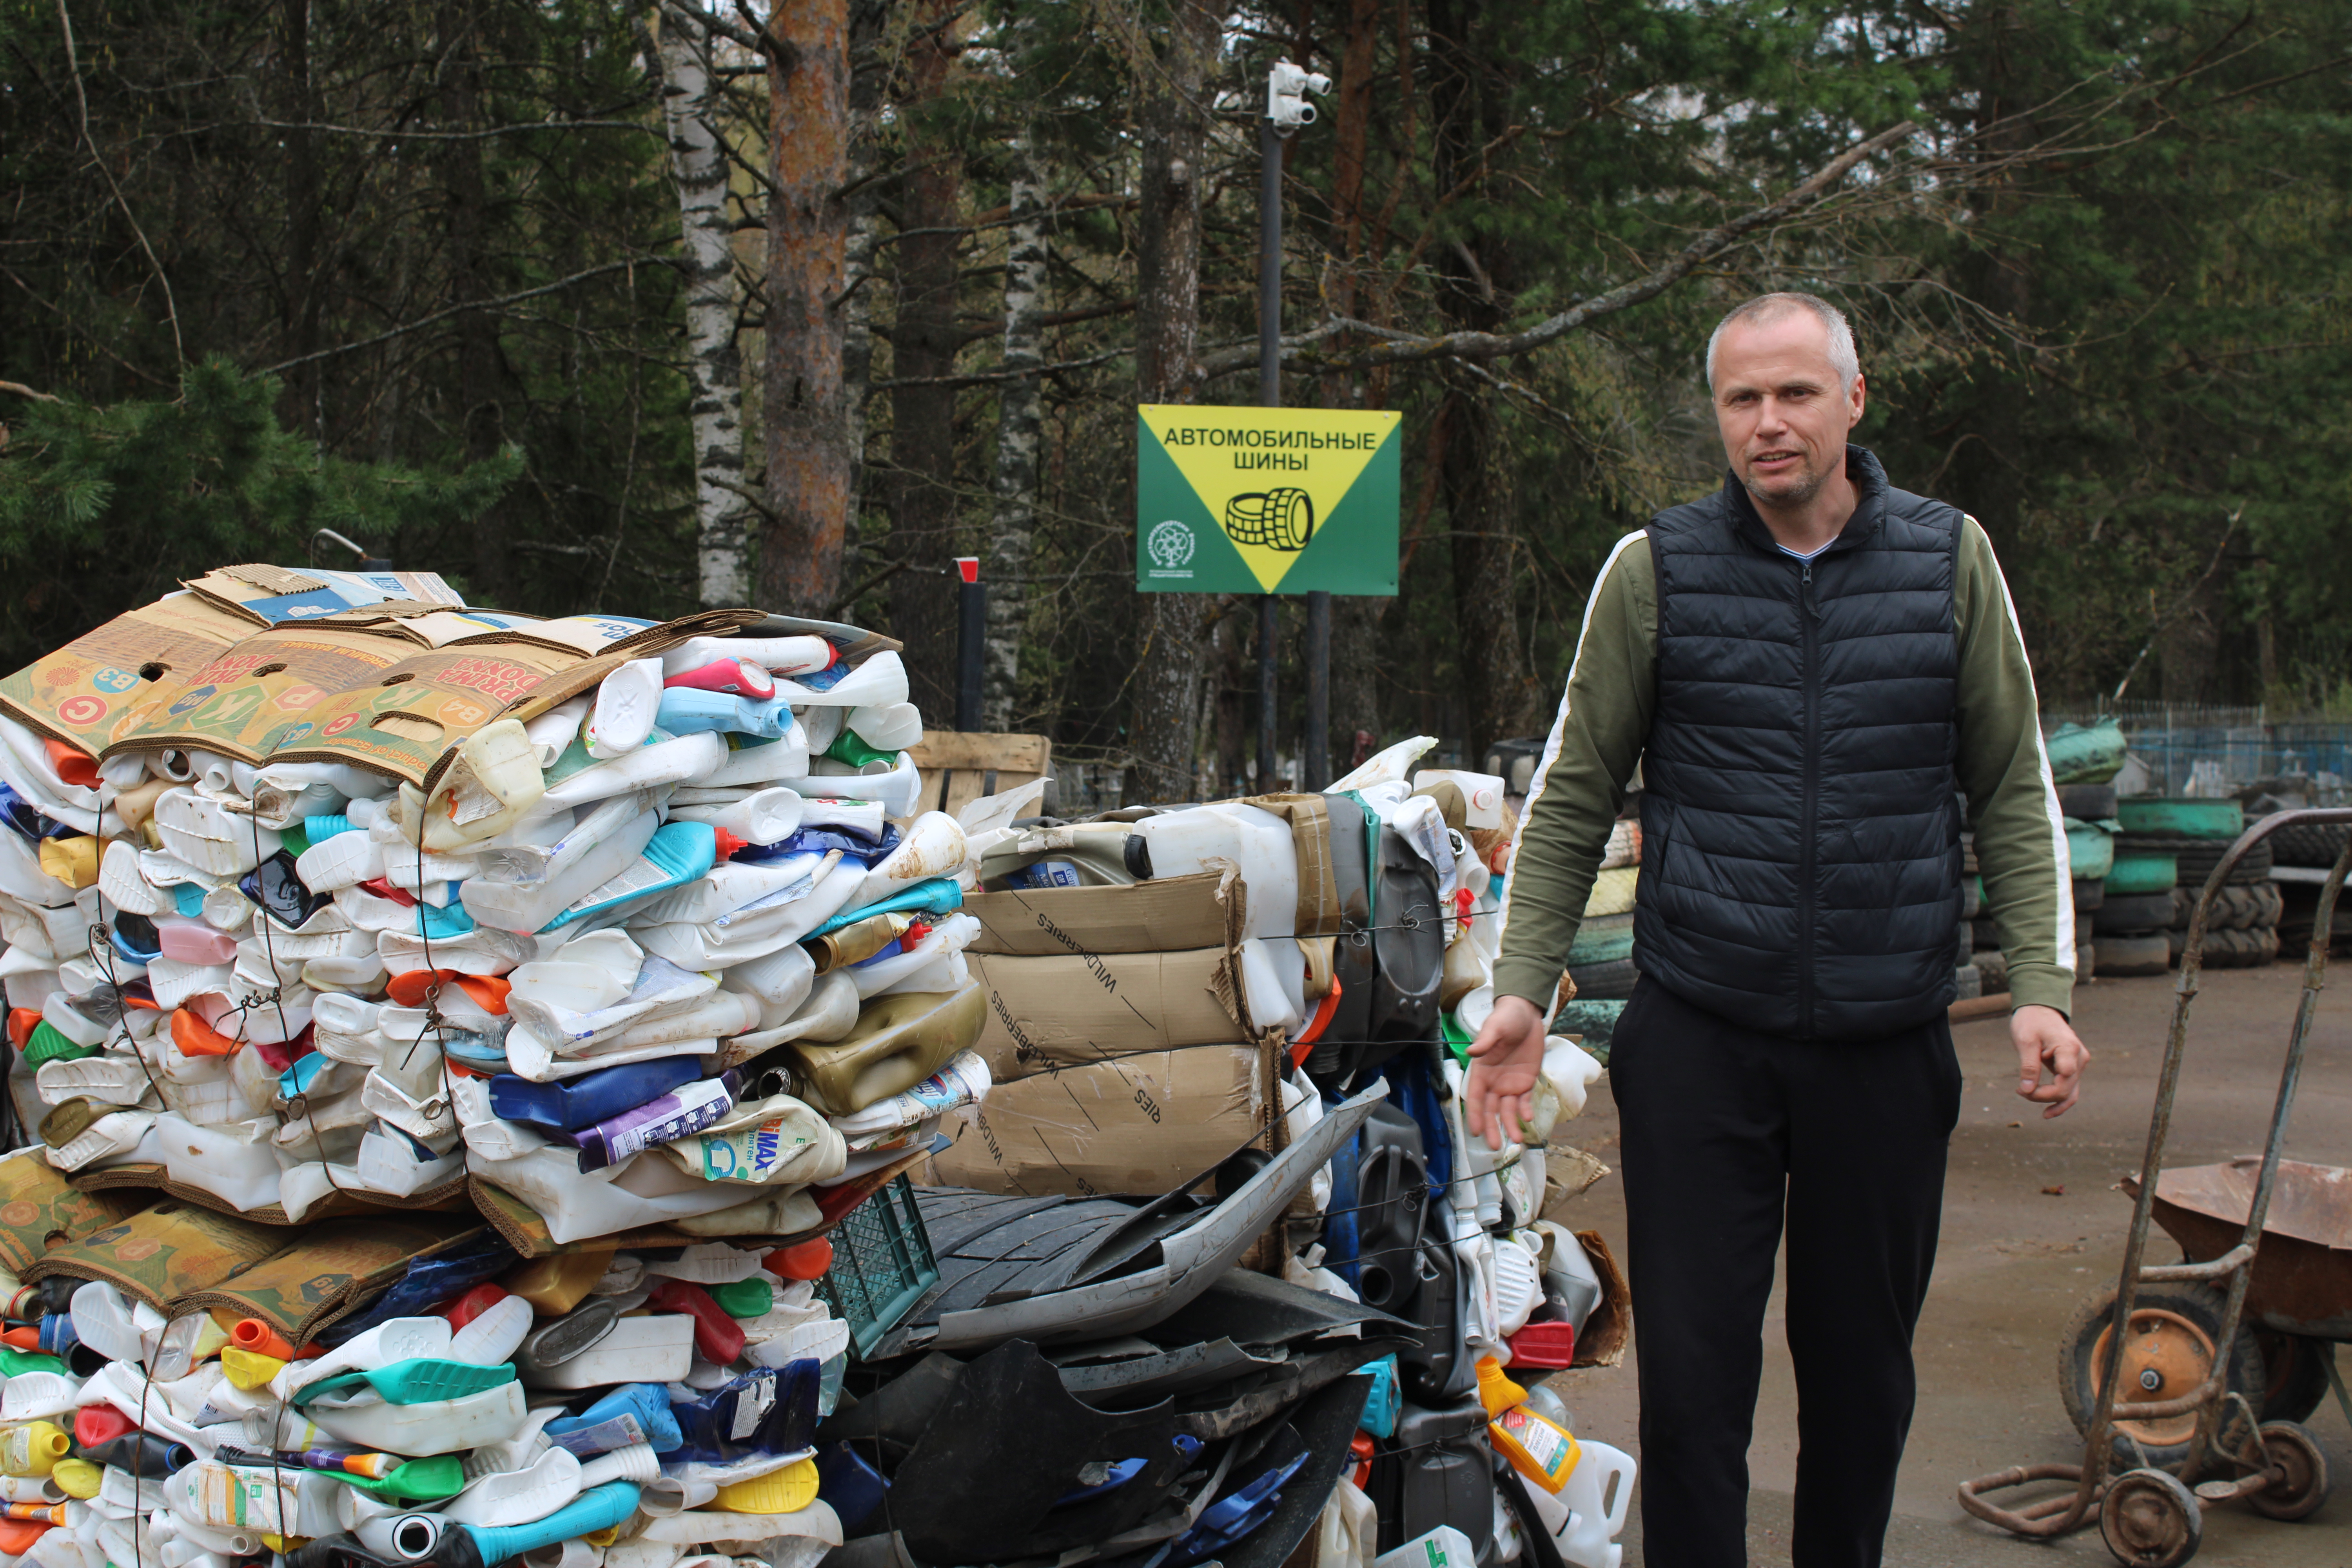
column 2299, row 1478
column 2151, row 1521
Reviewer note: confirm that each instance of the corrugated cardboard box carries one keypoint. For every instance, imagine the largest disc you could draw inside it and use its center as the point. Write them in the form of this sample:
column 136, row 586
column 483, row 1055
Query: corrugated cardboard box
column 1165, row 915
column 1141, row 1124
column 1047, row 1013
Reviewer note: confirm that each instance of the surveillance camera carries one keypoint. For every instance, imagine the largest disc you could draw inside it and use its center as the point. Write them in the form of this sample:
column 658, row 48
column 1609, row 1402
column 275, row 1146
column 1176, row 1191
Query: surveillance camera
column 1286, row 87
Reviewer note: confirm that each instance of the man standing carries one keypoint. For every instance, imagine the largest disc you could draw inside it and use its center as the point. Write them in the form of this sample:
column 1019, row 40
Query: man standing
column 1806, row 666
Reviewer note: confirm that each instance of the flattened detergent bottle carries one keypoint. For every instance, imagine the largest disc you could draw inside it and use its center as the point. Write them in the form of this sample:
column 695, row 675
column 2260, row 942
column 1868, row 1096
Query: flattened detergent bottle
column 1543, row 1452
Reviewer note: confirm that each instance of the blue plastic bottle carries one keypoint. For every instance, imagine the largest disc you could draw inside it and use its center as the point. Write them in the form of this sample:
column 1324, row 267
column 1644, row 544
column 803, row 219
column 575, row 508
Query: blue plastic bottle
column 632, row 1413
column 688, row 710
column 932, row 896
column 786, row 1397
column 591, row 1098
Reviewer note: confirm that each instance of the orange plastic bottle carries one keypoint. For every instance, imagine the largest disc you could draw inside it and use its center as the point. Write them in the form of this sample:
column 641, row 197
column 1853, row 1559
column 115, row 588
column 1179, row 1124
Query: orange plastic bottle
column 1540, row 1449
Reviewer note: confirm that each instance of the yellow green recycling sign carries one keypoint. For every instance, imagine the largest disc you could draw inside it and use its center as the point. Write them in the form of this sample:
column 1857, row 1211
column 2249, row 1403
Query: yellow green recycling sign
column 1265, row 501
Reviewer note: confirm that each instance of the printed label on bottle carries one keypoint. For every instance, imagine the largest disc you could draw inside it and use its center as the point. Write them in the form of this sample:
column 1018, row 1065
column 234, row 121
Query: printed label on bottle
column 751, row 1406
column 1551, row 1450
column 750, row 1153
column 698, row 1105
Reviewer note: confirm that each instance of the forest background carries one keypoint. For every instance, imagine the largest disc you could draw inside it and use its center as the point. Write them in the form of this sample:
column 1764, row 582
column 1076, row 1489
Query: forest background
column 630, row 308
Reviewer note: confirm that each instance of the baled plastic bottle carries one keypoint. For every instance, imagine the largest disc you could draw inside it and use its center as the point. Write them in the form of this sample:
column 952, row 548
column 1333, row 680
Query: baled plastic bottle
column 1538, row 1449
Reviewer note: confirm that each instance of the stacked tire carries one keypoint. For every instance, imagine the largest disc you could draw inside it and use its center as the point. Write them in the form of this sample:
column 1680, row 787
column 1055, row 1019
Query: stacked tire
column 2312, row 848
column 2242, row 932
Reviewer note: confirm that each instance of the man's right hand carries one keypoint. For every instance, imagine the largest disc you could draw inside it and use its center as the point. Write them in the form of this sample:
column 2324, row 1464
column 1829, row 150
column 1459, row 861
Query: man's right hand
column 1504, row 1060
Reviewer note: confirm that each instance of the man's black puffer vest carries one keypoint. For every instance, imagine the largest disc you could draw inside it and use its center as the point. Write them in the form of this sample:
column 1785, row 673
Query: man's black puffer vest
column 1800, row 844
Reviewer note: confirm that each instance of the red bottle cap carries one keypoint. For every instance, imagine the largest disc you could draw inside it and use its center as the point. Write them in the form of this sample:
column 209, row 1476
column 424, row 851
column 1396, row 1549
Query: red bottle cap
column 729, row 843
column 473, row 1304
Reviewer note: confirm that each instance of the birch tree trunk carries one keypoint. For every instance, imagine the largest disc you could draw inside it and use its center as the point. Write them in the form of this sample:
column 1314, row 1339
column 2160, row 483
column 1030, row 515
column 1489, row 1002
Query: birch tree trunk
column 807, row 435
column 714, row 369
column 1164, row 707
column 1020, row 423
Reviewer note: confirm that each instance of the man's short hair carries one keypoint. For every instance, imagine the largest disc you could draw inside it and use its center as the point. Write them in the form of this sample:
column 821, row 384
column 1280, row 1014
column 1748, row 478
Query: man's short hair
column 1769, row 307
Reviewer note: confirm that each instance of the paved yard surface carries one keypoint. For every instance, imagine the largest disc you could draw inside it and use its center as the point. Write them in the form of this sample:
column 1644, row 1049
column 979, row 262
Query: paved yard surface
column 2015, row 1261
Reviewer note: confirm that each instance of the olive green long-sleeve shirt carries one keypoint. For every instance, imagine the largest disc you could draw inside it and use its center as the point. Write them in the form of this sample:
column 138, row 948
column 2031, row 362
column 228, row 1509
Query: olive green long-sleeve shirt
column 1604, row 722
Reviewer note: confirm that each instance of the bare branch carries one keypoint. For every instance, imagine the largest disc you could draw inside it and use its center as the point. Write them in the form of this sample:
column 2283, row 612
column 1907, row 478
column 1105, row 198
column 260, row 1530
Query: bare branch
column 1403, row 348
column 82, row 100
column 402, row 135
column 21, row 390
column 988, row 377
column 423, row 321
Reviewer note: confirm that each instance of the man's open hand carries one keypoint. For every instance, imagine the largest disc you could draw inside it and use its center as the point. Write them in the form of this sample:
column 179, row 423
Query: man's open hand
column 1504, row 1060
column 2043, row 1039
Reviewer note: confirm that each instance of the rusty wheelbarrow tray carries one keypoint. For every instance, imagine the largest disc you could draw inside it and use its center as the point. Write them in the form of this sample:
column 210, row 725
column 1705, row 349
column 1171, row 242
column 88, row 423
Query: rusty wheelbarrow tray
column 2223, row 1215
column 2302, row 1280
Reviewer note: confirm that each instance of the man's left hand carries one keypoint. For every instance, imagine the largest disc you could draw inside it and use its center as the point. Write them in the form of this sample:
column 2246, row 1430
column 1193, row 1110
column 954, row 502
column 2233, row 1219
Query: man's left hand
column 2044, row 1039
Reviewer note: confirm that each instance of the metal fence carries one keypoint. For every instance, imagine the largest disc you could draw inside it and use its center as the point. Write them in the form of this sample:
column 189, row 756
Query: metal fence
column 2198, row 750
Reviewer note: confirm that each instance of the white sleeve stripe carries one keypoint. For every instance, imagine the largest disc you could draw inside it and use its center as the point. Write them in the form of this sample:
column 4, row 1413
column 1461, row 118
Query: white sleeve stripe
column 2065, row 891
column 1559, row 731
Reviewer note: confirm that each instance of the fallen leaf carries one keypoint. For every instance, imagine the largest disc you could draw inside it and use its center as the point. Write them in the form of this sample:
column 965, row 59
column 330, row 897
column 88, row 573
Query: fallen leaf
column 2017, row 1124
column 2058, row 1192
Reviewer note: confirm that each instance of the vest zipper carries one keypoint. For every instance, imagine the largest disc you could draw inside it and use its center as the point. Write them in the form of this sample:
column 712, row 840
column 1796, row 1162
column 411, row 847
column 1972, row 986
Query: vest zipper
column 1808, row 617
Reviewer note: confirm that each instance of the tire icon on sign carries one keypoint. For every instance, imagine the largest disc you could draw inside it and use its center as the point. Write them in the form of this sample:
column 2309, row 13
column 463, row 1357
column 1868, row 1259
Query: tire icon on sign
column 1278, row 519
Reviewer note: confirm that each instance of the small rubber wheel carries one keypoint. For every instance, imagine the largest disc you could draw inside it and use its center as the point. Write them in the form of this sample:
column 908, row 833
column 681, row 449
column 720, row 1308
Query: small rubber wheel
column 2299, row 1466
column 2295, row 1375
column 2151, row 1521
column 2167, row 1353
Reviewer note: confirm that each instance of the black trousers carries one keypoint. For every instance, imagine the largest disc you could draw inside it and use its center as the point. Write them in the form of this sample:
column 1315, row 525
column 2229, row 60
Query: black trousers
column 1727, row 1133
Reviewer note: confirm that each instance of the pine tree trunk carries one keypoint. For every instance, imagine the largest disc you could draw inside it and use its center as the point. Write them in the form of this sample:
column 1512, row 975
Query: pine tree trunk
column 1475, row 278
column 1164, row 700
column 714, row 370
column 925, row 337
column 808, row 428
column 1020, row 425
column 480, row 378
column 866, row 81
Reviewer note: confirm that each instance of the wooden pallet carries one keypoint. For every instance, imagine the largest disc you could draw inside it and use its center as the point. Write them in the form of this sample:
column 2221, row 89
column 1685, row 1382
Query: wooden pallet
column 960, row 767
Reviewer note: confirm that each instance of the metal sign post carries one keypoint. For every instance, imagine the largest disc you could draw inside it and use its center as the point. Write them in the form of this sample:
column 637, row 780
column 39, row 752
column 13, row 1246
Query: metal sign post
column 1267, row 501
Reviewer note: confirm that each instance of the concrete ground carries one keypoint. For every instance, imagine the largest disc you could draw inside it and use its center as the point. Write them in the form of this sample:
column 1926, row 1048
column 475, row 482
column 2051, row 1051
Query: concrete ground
column 2016, row 1259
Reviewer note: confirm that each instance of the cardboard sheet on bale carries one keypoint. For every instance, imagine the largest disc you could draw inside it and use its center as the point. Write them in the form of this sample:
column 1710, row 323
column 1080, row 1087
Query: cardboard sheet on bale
column 1168, row 915
column 40, row 1209
column 240, row 702
column 163, row 1252
column 1141, row 1124
column 331, row 1269
column 85, row 691
column 1048, row 1012
column 269, row 595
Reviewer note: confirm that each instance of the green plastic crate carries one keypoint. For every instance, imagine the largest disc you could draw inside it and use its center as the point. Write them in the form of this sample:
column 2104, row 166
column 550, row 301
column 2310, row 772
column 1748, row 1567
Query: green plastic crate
column 882, row 1264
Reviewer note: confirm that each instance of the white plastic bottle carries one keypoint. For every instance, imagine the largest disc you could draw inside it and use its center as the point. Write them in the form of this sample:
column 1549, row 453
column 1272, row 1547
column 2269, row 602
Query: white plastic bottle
column 1183, row 843
column 762, row 817
column 528, row 906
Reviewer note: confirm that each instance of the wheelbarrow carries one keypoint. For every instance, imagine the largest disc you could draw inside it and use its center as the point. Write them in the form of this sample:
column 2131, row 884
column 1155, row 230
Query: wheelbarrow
column 2188, row 1412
